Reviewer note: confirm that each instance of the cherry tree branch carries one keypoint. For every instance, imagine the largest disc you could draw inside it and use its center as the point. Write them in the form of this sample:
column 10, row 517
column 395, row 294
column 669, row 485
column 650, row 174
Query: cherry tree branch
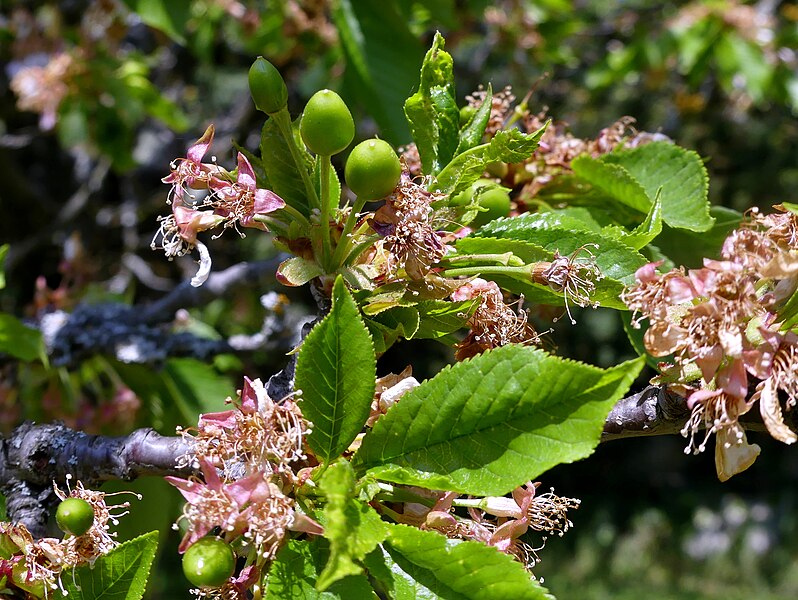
column 139, row 334
column 653, row 411
column 33, row 456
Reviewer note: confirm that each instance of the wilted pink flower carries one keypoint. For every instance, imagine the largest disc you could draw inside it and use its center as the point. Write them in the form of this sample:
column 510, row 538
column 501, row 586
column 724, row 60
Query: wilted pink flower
column 242, row 201
column 722, row 324
column 214, row 503
column 264, row 434
column 493, row 323
column 409, row 236
column 574, row 276
column 190, row 171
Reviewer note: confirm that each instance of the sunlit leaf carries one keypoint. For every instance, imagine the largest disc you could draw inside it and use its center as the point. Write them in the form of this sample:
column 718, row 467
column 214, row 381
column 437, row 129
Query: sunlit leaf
column 336, row 370
column 487, row 425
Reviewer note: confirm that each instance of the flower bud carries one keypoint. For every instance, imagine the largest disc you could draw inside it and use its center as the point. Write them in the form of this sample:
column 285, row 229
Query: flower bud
column 267, row 86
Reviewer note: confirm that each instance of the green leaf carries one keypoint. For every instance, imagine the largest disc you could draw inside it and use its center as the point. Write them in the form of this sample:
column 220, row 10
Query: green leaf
column 382, row 57
column 552, row 231
column 487, row 425
column 681, row 176
column 169, row 17
column 385, row 297
column 390, row 325
column 510, row 146
column 197, row 386
column 19, row 340
column 644, row 233
column 460, row 569
column 391, row 581
column 612, row 179
column 294, row 572
column 119, row 575
column 399, row 584
column 352, row 527
column 526, row 251
column 439, row 317
column 472, row 132
column 336, row 370
column 280, row 168
column 402, row 319
column 296, row 271
column 432, row 111
column 3, row 254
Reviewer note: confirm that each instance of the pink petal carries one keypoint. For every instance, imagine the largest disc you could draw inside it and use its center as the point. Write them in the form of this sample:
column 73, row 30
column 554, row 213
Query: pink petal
column 701, row 396
column 733, row 379
column 249, row 396
column 210, row 475
column 191, row 490
column 246, row 174
column 198, row 149
column 266, row 201
column 305, row 524
column 247, row 577
column 241, row 491
column 647, row 273
column 510, row 530
column 213, row 421
column 445, row 502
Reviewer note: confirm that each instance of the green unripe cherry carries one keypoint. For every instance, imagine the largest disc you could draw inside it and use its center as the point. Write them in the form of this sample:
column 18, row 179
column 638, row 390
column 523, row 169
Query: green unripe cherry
column 75, row 516
column 495, row 199
column 209, row 562
column 327, row 126
column 466, row 114
column 267, row 86
column 372, row 169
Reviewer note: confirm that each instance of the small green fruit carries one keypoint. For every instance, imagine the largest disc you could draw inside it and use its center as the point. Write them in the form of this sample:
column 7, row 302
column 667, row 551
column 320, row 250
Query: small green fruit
column 267, row 86
column 327, row 126
column 466, row 114
column 372, row 169
column 494, row 198
column 75, row 516
column 209, row 562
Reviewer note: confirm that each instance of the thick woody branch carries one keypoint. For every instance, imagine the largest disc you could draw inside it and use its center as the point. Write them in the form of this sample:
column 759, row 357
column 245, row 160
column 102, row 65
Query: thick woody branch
column 33, row 456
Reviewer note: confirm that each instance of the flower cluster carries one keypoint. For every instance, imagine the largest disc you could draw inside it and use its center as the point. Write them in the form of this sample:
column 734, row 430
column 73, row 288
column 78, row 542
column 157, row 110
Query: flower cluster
column 225, row 201
column 245, row 456
column 37, row 565
column 493, row 323
column 725, row 326
column 406, row 225
column 558, row 147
